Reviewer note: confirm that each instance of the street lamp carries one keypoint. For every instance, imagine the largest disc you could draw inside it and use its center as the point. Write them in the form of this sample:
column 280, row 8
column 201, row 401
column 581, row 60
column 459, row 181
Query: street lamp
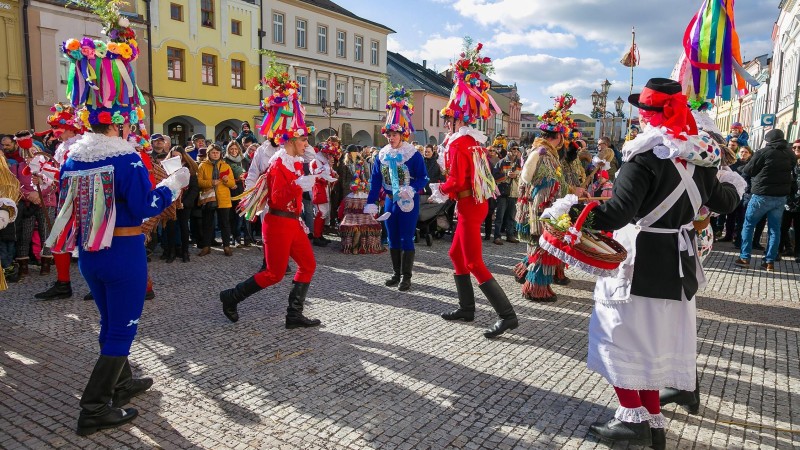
column 618, row 103
column 330, row 109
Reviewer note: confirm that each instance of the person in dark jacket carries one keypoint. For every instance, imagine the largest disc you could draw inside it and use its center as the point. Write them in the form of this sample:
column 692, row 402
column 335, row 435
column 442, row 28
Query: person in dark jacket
column 770, row 171
column 187, row 203
column 791, row 217
column 432, row 165
column 245, row 132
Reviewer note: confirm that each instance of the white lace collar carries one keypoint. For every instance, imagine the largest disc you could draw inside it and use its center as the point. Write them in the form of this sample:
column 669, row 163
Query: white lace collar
column 468, row 131
column 287, row 160
column 406, row 150
column 93, row 147
column 61, row 151
column 700, row 150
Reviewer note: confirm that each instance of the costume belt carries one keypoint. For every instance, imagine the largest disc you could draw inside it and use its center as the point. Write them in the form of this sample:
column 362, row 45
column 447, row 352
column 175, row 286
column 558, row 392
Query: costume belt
column 127, row 231
column 684, row 240
column 281, row 213
column 464, row 194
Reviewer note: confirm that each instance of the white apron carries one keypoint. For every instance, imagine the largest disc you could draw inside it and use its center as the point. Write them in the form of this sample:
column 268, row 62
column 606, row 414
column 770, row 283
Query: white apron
column 639, row 342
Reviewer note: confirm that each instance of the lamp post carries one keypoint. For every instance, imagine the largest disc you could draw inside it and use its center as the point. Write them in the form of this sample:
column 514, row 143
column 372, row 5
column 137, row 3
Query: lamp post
column 330, row 109
column 599, row 103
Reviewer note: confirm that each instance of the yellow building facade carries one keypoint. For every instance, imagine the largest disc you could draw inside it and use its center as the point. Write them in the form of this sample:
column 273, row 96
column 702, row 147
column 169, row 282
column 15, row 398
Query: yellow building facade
column 13, row 101
column 205, row 65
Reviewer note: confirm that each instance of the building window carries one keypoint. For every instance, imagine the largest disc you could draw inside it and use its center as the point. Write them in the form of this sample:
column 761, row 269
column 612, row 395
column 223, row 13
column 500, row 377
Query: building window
column 207, row 13
column 359, row 48
column 208, row 74
column 373, row 59
column 322, row 90
column 322, row 39
column 302, row 84
column 237, row 74
column 358, row 96
column 437, row 119
column 341, row 41
column 236, row 27
column 301, row 33
column 373, row 97
column 277, row 28
column 176, row 12
column 340, row 92
column 175, row 58
column 63, row 71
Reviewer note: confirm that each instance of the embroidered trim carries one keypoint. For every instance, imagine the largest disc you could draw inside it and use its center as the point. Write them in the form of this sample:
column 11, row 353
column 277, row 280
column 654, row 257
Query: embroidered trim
column 85, row 172
column 632, row 415
column 571, row 261
column 406, row 149
column 658, row 421
column 605, row 366
column 93, row 147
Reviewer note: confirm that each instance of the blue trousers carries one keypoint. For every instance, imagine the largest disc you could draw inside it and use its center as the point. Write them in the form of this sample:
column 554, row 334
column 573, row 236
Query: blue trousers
column 758, row 207
column 401, row 226
column 117, row 278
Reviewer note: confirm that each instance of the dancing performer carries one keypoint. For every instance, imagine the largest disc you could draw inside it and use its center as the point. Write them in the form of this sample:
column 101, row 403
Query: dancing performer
column 105, row 174
column 322, row 169
column 642, row 332
column 543, row 181
column 471, row 184
column 284, row 233
column 68, row 127
column 400, row 171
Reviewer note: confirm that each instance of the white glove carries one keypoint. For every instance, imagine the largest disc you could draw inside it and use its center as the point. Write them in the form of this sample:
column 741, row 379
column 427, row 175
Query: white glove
column 726, row 175
column 371, row 209
column 177, row 181
column 407, row 192
column 560, row 207
column 306, row 182
column 4, row 218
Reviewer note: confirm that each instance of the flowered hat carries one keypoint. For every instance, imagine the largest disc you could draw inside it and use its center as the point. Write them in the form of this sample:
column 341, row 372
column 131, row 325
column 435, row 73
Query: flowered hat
column 469, row 98
column 285, row 117
column 398, row 112
column 64, row 117
column 101, row 74
column 559, row 119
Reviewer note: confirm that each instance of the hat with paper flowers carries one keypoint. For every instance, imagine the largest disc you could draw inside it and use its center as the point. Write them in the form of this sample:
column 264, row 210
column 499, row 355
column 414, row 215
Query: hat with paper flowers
column 558, row 119
column 398, row 112
column 469, row 98
column 101, row 74
column 285, row 117
column 64, row 117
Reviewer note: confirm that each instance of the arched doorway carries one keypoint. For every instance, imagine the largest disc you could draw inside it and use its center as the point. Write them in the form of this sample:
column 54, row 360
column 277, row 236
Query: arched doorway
column 181, row 128
column 223, row 130
column 325, row 133
column 432, row 141
column 177, row 133
column 362, row 138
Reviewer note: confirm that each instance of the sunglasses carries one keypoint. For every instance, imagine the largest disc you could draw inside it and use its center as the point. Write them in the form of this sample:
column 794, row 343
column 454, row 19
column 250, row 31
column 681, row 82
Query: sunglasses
column 795, row 147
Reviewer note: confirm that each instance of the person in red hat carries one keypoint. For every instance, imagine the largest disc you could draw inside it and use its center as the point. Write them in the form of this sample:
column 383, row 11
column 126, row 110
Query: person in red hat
column 471, row 184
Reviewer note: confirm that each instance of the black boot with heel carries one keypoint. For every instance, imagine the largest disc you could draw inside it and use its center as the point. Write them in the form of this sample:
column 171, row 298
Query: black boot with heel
column 96, row 412
column 294, row 313
column 466, row 300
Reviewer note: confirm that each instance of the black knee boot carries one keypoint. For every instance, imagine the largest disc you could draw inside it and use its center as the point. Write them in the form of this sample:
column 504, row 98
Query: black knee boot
column 497, row 297
column 232, row 297
column 59, row 290
column 406, row 265
column 128, row 387
column 294, row 313
column 466, row 300
column 690, row 401
column 96, row 414
column 397, row 256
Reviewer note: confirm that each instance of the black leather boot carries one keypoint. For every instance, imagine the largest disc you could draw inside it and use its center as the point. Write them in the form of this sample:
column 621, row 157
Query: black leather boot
column 617, row 430
column 466, row 300
column 294, row 313
column 690, row 401
column 59, row 290
column 232, row 297
column 497, row 297
column 185, row 255
column 406, row 267
column 659, row 438
column 96, row 414
column 128, row 387
column 397, row 257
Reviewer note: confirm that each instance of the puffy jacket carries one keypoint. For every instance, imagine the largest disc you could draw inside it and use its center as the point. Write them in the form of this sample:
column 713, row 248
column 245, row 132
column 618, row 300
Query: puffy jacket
column 770, row 169
column 223, row 190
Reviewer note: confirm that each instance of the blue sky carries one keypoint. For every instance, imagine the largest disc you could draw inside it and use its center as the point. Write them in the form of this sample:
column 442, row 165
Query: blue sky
column 549, row 47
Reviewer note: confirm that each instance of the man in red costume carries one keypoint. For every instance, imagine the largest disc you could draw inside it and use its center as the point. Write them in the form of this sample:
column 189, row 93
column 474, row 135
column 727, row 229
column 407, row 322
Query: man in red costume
column 471, row 184
column 285, row 234
column 321, row 167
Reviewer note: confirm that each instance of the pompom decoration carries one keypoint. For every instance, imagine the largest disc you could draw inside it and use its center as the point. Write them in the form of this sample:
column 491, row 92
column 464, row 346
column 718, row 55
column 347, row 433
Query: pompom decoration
column 284, row 117
column 398, row 112
column 64, row 117
column 469, row 98
column 559, row 119
column 101, row 74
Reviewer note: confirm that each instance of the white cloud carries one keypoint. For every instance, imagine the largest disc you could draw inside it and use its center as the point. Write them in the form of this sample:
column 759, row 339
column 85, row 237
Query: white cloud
column 452, row 27
column 537, row 39
column 529, row 105
column 438, row 50
column 544, row 68
column 393, row 45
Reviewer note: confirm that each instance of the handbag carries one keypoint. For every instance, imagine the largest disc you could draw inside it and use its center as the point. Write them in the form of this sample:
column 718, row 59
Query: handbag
column 208, row 199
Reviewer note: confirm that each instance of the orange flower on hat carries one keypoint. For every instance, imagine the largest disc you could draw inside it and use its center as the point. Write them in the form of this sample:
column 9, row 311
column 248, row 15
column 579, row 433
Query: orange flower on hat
column 72, row 44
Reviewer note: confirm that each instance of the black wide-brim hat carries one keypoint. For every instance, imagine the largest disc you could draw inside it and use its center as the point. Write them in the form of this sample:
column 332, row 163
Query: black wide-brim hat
column 656, row 89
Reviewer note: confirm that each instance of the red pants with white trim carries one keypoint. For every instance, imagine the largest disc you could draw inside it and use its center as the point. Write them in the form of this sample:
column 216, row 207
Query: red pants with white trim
column 466, row 252
column 285, row 238
column 323, row 214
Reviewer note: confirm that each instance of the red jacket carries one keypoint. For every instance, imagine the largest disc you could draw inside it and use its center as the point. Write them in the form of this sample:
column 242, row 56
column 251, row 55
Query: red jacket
column 284, row 194
column 461, row 170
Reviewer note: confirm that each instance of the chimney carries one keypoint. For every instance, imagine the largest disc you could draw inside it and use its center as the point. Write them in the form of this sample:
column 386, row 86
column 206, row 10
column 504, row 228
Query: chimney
column 424, row 64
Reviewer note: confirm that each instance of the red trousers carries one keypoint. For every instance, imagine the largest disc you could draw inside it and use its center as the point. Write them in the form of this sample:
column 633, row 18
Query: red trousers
column 467, row 249
column 285, row 238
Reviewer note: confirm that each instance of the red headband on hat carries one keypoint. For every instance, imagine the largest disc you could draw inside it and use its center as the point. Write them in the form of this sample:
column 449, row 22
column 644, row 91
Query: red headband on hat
column 675, row 114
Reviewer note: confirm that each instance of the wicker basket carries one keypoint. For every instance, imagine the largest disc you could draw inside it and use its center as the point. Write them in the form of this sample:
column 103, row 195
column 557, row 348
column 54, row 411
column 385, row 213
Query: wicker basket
column 582, row 256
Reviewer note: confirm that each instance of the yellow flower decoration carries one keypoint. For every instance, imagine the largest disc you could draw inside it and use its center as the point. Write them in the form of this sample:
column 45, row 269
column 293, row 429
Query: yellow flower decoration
column 124, row 50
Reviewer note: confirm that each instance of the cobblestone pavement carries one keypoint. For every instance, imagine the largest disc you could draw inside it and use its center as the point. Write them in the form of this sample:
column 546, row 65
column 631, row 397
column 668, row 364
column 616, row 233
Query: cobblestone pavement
column 384, row 371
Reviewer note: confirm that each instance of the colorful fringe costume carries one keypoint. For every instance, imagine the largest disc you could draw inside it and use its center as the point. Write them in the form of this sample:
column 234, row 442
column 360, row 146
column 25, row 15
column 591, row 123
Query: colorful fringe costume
column 9, row 195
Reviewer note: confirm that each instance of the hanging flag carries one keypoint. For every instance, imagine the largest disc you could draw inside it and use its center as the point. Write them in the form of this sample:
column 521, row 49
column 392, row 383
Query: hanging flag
column 631, row 58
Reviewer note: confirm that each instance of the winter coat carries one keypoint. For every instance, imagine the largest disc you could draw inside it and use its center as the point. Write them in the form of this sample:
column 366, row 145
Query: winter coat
column 770, row 169
column 206, row 175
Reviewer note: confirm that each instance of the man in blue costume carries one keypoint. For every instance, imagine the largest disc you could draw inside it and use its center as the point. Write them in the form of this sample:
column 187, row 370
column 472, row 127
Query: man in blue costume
column 400, row 170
